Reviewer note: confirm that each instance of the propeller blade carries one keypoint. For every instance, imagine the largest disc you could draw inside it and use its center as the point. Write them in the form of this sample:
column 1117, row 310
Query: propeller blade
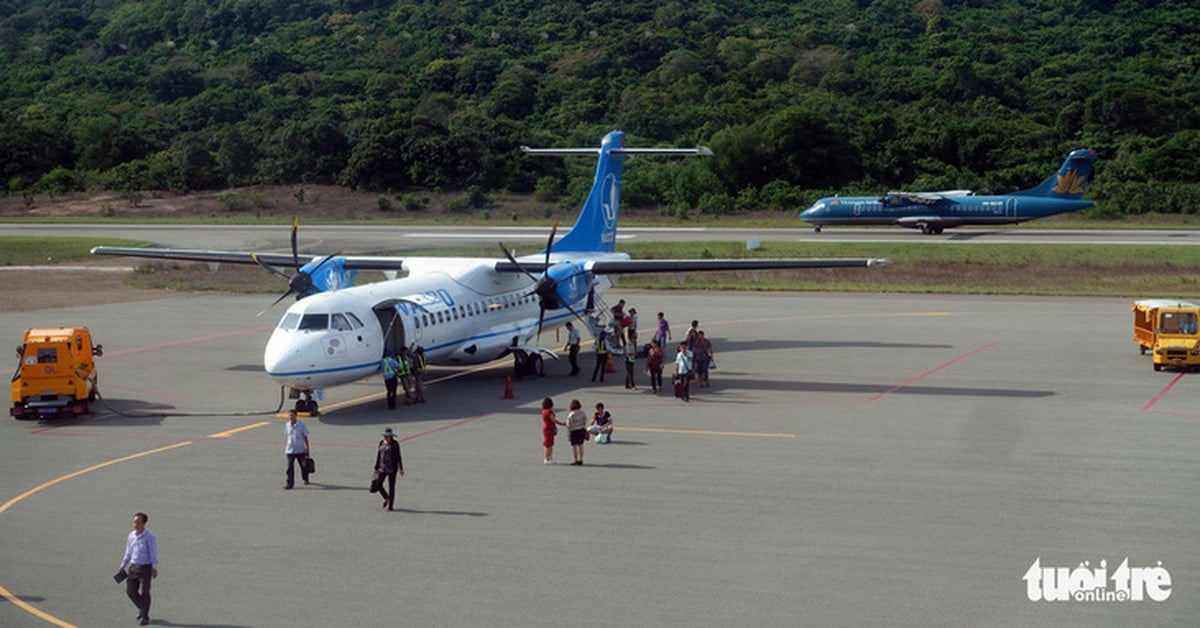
column 549, row 243
column 295, row 251
column 273, row 270
column 512, row 259
column 583, row 320
column 276, row 302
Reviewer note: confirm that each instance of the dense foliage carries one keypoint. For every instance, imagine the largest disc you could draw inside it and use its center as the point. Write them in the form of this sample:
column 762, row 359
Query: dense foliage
column 796, row 98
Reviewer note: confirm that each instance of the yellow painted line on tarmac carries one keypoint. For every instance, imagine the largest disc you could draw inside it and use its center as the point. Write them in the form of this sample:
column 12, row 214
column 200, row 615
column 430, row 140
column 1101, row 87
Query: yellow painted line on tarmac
column 32, row 610
column 703, row 432
column 18, row 602
column 229, row 433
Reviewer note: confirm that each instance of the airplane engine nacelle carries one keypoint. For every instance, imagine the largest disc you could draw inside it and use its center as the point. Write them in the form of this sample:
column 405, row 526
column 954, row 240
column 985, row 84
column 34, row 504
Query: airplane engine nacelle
column 571, row 283
column 330, row 275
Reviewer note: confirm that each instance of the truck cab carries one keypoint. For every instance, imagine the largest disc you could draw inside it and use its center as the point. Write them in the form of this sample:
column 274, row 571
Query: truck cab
column 56, row 373
column 1169, row 330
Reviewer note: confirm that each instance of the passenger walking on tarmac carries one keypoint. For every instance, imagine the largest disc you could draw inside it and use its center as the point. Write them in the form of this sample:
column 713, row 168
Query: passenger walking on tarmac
column 139, row 566
column 683, row 370
column 572, row 348
column 577, row 430
column 654, row 365
column 391, row 377
column 662, row 333
column 550, row 425
column 693, row 333
column 602, row 425
column 703, row 356
column 296, row 447
column 631, row 329
column 387, row 464
column 601, row 356
column 418, row 367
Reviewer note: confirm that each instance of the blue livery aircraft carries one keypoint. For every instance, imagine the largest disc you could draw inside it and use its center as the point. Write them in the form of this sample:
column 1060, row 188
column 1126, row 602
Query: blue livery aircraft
column 461, row 311
column 931, row 212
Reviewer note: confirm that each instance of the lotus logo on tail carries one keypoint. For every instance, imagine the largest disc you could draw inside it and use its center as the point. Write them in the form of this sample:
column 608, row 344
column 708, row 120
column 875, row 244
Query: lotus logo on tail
column 1070, row 183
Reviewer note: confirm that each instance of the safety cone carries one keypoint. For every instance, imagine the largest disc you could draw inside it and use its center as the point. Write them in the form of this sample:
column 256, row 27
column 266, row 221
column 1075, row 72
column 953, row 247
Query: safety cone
column 608, row 365
column 508, row 393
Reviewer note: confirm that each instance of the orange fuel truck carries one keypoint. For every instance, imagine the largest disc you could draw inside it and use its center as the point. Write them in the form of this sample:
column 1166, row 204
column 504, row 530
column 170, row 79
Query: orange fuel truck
column 56, row 374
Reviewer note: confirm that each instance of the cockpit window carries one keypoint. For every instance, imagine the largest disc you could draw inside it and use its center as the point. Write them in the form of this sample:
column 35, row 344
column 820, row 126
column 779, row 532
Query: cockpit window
column 354, row 320
column 289, row 321
column 314, row 321
column 340, row 322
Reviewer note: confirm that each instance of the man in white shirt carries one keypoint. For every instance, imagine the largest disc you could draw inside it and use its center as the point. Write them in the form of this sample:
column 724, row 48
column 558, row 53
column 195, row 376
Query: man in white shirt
column 140, row 565
column 296, row 448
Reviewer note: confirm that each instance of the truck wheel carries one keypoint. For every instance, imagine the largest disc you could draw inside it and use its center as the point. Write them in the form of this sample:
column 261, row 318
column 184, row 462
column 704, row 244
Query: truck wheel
column 1143, row 349
column 21, row 416
column 1158, row 367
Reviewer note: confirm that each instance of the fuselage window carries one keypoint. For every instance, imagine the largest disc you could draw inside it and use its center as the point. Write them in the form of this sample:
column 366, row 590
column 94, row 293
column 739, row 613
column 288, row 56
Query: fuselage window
column 424, row 320
column 439, row 317
column 340, row 322
column 314, row 321
column 289, row 321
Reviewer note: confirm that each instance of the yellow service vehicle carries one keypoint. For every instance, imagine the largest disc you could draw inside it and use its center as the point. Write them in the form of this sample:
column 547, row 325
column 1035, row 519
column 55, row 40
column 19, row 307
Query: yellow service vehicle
column 1169, row 330
column 56, row 374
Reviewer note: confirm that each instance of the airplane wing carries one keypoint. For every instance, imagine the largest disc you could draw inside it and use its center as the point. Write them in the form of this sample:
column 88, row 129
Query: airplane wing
column 636, row 266
column 352, row 262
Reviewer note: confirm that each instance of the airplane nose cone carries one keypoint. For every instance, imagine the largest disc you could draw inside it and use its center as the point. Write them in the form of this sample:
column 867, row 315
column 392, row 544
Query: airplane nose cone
column 284, row 357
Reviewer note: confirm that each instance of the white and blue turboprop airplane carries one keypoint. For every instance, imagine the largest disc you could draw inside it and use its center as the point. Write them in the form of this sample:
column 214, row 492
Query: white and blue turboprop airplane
column 461, row 310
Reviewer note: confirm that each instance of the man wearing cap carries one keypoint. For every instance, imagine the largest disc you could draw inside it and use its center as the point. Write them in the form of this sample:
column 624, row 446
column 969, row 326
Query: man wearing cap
column 387, row 464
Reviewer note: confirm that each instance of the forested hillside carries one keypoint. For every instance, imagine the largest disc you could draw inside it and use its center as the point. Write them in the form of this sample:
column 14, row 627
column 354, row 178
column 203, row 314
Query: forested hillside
column 796, row 98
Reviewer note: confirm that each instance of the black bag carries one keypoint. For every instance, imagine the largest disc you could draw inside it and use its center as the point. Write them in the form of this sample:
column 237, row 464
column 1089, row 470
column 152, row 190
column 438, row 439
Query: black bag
column 120, row 576
column 310, row 465
column 376, row 482
column 678, row 384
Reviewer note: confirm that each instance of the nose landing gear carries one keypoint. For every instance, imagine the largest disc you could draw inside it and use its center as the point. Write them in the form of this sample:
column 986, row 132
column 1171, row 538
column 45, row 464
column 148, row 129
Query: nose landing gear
column 307, row 405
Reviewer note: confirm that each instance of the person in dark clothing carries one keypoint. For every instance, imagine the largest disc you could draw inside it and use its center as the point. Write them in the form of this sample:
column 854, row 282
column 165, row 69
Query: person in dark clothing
column 573, row 341
column 387, row 464
column 601, row 356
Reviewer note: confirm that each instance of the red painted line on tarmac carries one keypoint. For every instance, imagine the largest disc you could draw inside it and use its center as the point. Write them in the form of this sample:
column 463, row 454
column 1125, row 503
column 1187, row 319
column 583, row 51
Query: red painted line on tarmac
column 934, row 370
column 1159, row 396
column 447, row 427
column 188, row 341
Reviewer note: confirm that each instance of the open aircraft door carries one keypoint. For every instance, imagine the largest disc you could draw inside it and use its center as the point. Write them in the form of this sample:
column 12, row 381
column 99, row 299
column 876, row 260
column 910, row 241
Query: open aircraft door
column 392, row 324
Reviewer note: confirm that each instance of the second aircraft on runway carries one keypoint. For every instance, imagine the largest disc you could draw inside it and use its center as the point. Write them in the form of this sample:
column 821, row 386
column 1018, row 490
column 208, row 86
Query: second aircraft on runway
column 461, row 310
column 931, row 212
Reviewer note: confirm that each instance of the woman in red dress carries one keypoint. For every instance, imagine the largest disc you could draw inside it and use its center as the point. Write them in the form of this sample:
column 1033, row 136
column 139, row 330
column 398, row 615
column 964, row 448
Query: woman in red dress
column 550, row 425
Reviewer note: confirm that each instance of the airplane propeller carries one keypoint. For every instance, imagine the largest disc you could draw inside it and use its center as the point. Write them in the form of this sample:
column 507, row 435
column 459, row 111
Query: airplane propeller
column 546, row 286
column 300, row 284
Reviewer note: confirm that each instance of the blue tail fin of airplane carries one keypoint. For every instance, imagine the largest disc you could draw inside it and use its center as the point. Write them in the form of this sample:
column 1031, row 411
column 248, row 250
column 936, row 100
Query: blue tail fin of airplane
column 1070, row 180
column 595, row 231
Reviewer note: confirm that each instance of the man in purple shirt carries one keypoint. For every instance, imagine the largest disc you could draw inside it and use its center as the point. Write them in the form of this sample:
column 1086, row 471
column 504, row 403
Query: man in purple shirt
column 140, row 564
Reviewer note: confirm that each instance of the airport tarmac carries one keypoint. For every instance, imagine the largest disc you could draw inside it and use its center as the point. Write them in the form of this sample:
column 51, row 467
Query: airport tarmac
column 859, row 460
